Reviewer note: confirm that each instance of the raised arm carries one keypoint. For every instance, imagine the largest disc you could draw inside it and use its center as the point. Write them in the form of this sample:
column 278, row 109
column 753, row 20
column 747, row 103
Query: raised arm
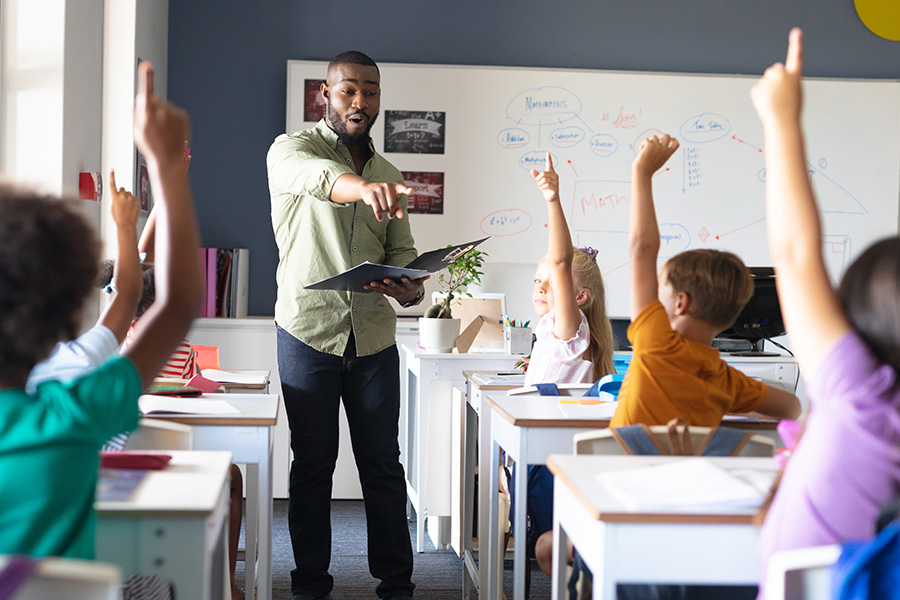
column 643, row 238
column 811, row 310
column 160, row 130
column 145, row 245
column 567, row 316
column 120, row 313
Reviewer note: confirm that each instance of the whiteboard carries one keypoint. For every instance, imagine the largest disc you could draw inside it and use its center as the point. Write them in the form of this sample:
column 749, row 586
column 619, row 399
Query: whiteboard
column 490, row 125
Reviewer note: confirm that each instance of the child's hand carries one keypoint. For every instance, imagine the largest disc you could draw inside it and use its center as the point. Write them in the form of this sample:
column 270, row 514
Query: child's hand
column 186, row 162
column 159, row 127
column 654, row 152
column 548, row 181
column 778, row 93
column 124, row 207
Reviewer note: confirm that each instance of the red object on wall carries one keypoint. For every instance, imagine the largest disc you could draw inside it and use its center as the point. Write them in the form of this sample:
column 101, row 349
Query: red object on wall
column 89, row 186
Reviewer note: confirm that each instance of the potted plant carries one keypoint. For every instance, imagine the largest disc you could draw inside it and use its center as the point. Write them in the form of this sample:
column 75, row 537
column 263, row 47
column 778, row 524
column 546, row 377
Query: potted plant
column 438, row 329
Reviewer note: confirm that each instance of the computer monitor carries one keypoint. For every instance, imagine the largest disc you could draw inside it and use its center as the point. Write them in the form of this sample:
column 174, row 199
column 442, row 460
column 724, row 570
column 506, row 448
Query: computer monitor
column 761, row 318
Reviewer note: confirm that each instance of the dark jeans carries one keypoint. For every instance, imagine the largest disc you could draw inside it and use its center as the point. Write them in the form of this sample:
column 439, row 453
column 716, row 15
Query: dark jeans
column 313, row 384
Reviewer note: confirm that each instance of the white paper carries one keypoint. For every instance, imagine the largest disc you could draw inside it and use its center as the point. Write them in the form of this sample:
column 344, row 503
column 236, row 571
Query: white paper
column 151, row 404
column 685, row 484
column 497, row 379
column 603, row 410
column 250, row 376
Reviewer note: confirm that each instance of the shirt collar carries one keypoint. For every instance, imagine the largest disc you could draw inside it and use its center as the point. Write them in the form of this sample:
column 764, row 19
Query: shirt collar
column 331, row 137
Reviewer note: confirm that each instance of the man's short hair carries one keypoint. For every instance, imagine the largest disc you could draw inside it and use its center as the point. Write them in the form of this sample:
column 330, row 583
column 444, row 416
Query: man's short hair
column 351, row 57
column 718, row 282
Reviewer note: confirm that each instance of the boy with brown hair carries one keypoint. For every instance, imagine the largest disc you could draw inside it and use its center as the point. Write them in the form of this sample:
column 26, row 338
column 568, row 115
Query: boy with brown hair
column 674, row 372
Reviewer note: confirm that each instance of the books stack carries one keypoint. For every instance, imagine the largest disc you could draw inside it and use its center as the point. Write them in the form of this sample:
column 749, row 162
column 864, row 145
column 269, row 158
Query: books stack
column 227, row 278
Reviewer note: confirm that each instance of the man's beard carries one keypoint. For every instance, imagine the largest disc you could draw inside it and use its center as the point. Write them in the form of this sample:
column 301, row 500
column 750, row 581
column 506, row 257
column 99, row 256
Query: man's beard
column 339, row 126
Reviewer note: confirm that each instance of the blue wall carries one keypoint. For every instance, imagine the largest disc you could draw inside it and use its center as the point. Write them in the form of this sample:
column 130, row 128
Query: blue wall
column 227, row 66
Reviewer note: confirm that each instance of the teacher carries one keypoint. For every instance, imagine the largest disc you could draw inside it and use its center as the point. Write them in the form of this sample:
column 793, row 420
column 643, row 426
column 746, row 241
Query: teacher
column 337, row 203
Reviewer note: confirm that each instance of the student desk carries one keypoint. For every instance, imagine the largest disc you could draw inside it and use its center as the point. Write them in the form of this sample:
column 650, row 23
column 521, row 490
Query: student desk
column 474, row 433
column 249, row 437
column 174, row 524
column 424, row 418
column 529, row 429
column 673, row 546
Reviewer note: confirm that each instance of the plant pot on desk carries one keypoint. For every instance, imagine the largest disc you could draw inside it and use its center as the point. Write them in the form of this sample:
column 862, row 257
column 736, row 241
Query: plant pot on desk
column 438, row 335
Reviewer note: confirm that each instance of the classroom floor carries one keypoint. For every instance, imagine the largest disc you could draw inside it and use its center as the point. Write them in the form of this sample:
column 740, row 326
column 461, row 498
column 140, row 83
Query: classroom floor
column 437, row 573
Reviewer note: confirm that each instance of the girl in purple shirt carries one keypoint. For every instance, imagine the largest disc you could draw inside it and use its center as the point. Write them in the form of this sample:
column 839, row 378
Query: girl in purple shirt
column 847, row 465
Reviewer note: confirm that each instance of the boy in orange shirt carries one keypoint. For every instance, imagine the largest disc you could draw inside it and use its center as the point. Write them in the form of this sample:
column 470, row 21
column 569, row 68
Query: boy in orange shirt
column 674, row 372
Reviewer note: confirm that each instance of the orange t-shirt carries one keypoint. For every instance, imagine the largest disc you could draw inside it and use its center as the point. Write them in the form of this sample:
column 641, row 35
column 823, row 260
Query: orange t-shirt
column 671, row 377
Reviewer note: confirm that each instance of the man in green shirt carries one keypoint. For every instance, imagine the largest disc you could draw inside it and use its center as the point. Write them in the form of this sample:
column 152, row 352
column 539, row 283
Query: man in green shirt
column 337, row 203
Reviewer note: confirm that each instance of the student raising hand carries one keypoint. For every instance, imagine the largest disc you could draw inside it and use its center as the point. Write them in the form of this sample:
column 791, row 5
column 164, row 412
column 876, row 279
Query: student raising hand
column 159, row 131
column 124, row 208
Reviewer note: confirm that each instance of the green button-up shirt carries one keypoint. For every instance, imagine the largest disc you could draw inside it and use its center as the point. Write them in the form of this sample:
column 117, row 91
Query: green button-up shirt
column 318, row 238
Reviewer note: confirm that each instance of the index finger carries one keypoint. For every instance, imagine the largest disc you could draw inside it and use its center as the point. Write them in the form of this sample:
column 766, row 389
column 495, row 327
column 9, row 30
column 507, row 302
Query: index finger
column 549, row 163
column 145, row 79
column 112, row 182
column 794, row 61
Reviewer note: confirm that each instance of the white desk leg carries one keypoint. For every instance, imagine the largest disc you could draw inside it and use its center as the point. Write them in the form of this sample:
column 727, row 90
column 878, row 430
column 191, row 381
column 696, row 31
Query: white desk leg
column 421, row 457
column 604, row 581
column 264, row 574
column 470, row 424
column 489, row 554
column 252, row 528
column 560, row 562
column 520, row 559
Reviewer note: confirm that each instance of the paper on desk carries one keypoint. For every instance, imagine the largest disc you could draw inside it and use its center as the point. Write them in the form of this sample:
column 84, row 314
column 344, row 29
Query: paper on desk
column 150, row 404
column 685, row 484
column 498, row 379
column 573, row 409
column 249, row 376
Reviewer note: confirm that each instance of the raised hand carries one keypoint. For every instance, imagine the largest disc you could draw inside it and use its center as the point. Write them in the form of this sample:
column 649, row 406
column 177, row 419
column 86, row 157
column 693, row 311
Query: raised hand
column 548, row 180
column 160, row 128
column 124, row 207
column 384, row 198
column 778, row 94
column 654, row 152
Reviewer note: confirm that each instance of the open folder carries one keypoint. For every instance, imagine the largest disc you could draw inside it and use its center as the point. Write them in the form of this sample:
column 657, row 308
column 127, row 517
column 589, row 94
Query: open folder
column 354, row 279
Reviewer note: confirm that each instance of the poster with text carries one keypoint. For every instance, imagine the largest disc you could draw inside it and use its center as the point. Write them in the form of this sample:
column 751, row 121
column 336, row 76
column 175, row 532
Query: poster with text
column 428, row 192
column 414, row 131
column 313, row 102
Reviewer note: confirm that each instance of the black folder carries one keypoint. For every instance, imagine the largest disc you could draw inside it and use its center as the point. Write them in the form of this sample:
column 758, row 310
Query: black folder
column 354, row 279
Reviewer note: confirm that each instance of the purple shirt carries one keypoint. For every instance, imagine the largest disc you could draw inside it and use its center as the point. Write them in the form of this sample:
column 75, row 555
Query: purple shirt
column 847, row 465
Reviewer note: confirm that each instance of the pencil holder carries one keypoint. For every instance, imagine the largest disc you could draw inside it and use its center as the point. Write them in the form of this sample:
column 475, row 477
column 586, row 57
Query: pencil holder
column 518, row 340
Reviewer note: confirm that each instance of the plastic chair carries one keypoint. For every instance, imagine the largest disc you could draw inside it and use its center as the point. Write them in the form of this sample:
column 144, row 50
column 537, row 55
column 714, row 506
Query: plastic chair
column 207, row 356
column 801, row 574
column 156, row 434
column 601, row 441
column 71, row 579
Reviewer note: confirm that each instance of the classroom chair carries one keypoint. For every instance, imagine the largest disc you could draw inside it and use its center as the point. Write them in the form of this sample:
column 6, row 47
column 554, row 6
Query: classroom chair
column 801, row 574
column 207, row 356
column 601, row 441
column 156, row 434
column 67, row 578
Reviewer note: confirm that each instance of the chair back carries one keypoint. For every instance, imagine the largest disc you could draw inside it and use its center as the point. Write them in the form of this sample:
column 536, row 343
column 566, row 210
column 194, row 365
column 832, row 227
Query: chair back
column 69, row 578
column 801, row 573
column 602, row 441
column 156, row 434
column 207, row 356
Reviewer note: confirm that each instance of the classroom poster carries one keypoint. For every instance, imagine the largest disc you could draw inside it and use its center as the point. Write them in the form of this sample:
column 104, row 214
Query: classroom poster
column 414, row 131
column 313, row 102
column 428, row 192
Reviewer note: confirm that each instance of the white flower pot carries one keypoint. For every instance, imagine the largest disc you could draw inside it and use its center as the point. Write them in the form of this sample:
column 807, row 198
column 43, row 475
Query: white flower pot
column 438, row 335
